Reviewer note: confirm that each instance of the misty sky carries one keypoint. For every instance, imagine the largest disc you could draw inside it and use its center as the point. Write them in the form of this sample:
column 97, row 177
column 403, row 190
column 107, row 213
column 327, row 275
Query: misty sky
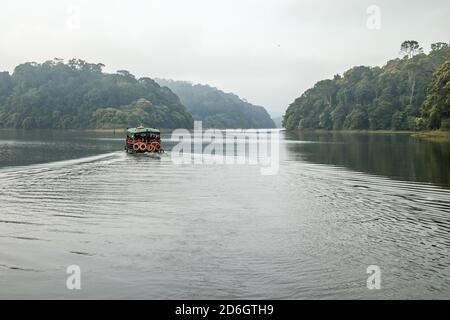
column 267, row 52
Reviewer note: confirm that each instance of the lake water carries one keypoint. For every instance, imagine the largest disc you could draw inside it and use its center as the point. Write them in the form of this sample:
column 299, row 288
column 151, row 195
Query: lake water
column 141, row 227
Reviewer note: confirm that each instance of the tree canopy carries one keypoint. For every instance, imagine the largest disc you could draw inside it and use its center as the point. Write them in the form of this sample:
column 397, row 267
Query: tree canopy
column 391, row 97
column 218, row 109
column 436, row 108
column 78, row 94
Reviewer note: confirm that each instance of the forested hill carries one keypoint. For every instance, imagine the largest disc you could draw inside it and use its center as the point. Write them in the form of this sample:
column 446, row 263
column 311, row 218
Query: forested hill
column 218, row 109
column 409, row 93
column 78, row 94
column 278, row 121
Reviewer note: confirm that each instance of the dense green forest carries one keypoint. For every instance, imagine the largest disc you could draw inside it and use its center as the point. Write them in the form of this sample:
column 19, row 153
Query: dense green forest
column 408, row 93
column 218, row 109
column 78, row 94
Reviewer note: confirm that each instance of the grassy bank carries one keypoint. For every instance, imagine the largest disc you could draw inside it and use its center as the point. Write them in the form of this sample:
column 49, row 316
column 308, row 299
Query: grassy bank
column 123, row 130
column 99, row 130
column 353, row 131
column 436, row 135
column 116, row 130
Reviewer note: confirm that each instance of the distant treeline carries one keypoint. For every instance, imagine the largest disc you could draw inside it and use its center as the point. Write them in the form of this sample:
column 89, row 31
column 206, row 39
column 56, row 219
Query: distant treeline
column 78, row 94
column 411, row 93
column 218, row 109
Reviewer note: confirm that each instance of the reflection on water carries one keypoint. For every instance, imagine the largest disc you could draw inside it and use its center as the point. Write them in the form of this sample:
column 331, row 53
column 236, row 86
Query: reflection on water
column 397, row 156
column 146, row 228
column 18, row 148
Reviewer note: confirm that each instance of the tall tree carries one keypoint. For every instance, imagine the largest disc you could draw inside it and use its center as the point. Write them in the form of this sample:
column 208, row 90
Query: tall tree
column 410, row 48
column 438, row 46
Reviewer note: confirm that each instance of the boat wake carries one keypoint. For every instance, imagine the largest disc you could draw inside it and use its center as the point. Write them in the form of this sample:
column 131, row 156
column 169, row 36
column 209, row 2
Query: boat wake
column 50, row 166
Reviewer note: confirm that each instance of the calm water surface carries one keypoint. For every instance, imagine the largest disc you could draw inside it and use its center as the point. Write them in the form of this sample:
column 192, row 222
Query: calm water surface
column 146, row 228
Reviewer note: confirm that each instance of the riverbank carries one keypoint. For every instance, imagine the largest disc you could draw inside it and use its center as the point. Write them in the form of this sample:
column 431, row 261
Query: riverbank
column 124, row 130
column 351, row 131
column 116, row 130
column 436, row 135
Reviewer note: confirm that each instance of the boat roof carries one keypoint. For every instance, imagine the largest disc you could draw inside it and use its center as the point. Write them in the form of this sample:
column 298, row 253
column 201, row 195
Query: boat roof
column 142, row 130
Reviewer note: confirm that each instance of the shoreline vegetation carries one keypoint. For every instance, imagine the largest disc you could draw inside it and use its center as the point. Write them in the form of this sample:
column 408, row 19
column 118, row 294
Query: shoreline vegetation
column 411, row 93
column 436, row 135
column 79, row 95
column 432, row 135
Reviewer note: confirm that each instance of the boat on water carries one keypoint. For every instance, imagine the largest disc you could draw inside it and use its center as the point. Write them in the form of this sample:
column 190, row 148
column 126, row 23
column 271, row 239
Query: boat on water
column 143, row 140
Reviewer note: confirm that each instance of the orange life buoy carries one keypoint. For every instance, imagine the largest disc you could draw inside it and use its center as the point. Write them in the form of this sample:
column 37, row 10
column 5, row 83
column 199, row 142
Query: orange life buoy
column 150, row 147
column 157, row 146
column 142, row 146
column 136, row 146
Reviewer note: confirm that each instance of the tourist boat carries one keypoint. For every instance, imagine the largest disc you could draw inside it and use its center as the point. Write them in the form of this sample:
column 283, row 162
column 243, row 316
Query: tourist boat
column 143, row 140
